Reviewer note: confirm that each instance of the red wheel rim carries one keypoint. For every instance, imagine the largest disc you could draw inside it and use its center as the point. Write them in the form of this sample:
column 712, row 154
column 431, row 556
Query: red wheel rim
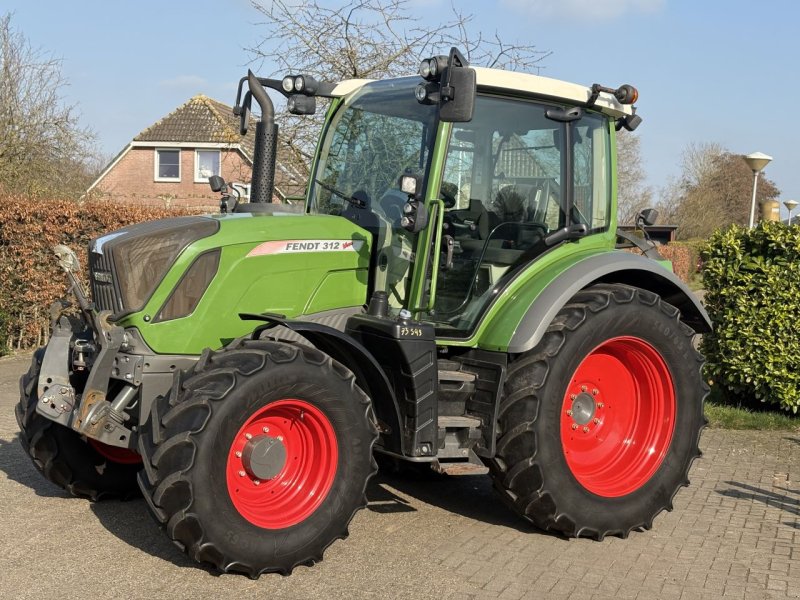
column 618, row 416
column 304, row 437
column 123, row 456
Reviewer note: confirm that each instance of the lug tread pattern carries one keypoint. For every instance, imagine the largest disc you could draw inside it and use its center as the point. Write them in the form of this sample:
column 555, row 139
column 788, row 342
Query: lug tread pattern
column 49, row 454
column 176, row 427
column 516, row 472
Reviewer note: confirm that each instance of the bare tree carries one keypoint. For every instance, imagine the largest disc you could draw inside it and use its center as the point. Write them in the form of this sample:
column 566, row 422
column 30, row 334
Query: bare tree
column 713, row 191
column 367, row 39
column 43, row 149
column 633, row 193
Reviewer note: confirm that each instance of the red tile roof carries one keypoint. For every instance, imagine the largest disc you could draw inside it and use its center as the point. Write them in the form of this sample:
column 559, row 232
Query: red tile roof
column 202, row 120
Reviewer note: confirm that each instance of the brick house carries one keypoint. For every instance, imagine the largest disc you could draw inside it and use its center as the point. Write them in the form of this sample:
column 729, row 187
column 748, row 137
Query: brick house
column 168, row 164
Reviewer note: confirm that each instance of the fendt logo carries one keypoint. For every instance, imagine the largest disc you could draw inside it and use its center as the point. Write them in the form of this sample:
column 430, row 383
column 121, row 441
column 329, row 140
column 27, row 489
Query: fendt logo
column 298, row 246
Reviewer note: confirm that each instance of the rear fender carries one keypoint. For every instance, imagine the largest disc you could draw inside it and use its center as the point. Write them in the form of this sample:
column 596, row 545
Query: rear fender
column 617, row 267
column 369, row 375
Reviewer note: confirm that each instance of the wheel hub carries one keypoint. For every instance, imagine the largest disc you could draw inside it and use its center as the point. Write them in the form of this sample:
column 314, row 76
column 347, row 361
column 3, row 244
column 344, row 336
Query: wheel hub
column 264, row 457
column 583, row 408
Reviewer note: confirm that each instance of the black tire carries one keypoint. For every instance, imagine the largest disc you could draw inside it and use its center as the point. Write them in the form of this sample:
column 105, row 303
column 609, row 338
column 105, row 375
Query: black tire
column 190, row 437
column 62, row 455
column 530, row 469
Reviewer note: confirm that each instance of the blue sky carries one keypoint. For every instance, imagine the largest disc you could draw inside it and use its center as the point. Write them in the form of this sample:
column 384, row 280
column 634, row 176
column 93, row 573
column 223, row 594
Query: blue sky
column 713, row 71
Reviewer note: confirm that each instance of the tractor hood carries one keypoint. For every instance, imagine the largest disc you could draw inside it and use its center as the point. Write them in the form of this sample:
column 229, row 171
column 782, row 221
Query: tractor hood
column 166, row 277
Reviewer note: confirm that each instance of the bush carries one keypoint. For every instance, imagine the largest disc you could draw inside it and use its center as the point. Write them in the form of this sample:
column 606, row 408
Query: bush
column 31, row 279
column 681, row 259
column 752, row 281
column 679, row 256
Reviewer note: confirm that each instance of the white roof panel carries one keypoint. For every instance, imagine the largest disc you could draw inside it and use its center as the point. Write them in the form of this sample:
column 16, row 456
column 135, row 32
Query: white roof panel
column 524, row 83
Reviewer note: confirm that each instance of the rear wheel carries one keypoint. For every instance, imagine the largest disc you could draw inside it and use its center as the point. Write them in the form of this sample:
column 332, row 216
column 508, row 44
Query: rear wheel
column 84, row 468
column 258, row 459
column 599, row 423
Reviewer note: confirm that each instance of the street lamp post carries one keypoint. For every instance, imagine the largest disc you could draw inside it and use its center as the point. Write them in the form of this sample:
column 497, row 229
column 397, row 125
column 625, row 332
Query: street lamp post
column 756, row 161
column 790, row 206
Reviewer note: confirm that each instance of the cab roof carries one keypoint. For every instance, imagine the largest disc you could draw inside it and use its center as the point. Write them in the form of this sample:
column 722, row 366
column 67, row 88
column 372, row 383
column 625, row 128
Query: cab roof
column 522, row 83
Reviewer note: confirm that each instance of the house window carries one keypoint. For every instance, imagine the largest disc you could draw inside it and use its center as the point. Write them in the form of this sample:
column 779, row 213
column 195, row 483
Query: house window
column 206, row 164
column 168, row 165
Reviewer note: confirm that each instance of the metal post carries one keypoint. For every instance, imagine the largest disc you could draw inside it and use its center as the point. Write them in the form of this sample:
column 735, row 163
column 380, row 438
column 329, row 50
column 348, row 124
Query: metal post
column 753, row 203
column 756, row 161
column 790, row 206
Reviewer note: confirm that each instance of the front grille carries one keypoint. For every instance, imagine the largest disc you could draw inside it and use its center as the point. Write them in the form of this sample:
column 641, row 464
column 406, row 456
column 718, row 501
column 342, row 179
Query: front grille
column 101, row 276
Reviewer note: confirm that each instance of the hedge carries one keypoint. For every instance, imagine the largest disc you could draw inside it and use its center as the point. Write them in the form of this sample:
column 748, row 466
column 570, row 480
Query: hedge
column 752, row 282
column 681, row 257
column 31, row 279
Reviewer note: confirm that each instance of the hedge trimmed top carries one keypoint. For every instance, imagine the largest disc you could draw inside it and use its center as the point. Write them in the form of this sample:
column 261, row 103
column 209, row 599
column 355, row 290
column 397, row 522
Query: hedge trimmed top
column 752, row 278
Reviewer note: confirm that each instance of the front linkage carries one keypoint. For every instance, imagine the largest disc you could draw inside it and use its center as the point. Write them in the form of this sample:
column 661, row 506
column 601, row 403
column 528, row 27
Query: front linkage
column 111, row 357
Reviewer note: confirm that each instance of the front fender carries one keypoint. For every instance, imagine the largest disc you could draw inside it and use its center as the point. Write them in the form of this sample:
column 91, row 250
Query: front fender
column 607, row 267
column 369, row 375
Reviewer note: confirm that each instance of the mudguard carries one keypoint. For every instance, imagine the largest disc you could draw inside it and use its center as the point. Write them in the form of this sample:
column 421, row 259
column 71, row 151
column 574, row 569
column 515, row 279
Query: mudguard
column 617, row 267
column 369, row 375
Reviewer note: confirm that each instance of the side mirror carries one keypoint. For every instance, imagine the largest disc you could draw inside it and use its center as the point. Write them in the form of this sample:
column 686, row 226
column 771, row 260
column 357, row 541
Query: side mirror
column 648, row 216
column 450, row 83
column 217, row 183
column 458, row 98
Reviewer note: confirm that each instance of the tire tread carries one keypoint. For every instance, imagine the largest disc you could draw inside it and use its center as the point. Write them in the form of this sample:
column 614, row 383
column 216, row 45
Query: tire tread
column 540, row 507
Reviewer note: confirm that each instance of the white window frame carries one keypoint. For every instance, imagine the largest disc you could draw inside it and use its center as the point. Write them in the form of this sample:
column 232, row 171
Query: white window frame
column 197, row 178
column 156, row 162
column 244, row 189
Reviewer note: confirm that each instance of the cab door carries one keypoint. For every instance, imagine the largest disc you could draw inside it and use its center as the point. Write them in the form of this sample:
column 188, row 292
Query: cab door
column 512, row 177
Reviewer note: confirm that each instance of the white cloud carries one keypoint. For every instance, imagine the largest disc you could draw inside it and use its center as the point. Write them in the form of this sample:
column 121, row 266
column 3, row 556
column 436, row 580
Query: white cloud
column 184, row 81
column 583, row 10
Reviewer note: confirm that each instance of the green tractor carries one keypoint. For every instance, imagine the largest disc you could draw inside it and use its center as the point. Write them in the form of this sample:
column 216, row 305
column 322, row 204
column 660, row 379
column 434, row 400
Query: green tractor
column 451, row 296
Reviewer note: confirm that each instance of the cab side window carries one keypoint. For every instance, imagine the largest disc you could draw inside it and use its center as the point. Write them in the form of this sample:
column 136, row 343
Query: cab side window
column 591, row 172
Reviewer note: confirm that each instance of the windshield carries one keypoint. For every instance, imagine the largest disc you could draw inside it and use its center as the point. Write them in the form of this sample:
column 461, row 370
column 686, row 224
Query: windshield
column 377, row 134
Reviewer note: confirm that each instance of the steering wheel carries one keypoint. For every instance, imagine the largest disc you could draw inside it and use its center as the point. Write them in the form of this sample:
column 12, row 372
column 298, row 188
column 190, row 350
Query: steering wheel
column 391, row 204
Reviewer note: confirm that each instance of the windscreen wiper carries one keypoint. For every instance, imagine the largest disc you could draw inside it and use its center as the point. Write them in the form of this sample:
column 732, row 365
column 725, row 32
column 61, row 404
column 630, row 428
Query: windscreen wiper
column 359, row 202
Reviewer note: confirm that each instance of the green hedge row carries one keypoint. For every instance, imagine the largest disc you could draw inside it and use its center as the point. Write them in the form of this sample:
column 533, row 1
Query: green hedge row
column 752, row 282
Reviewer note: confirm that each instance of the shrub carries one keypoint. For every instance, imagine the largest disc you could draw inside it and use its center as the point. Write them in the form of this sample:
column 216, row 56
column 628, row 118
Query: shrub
column 679, row 255
column 681, row 259
column 693, row 247
column 31, row 279
column 752, row 281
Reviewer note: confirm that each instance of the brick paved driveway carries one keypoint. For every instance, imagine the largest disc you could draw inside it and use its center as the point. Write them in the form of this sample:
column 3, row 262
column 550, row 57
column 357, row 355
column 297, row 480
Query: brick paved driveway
column 735, row 532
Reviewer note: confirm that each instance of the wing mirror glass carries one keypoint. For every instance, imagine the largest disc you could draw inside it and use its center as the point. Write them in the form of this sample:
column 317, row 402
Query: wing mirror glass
column 648, row 216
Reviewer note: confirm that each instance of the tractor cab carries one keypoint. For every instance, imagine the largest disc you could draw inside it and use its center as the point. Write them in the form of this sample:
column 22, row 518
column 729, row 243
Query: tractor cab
column 518, row 174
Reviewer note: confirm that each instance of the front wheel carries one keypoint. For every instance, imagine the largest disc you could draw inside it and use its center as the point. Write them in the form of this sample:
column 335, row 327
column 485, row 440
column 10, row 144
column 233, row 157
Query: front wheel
column 83, row 467
column 599, row 423
column 259, row 457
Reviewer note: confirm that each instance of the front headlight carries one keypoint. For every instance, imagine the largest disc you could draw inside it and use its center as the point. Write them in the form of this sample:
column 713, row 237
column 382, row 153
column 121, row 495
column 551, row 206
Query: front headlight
column 144, row 254
column 186, row 295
